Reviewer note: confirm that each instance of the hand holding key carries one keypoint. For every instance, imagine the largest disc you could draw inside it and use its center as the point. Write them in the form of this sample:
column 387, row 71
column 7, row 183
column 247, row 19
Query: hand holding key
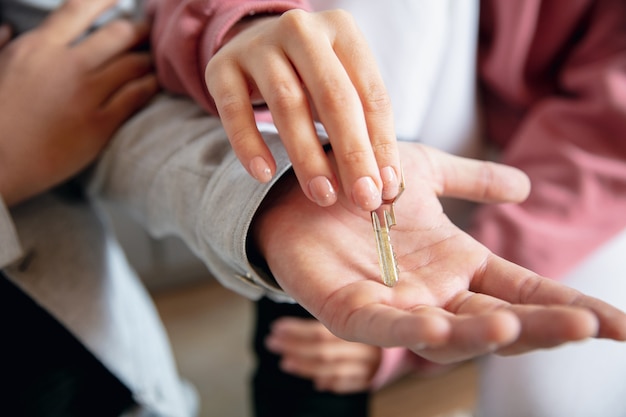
column 309, row 67
column 456, row 299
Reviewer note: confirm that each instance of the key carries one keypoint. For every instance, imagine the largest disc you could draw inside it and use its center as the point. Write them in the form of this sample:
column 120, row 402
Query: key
column 386, row 255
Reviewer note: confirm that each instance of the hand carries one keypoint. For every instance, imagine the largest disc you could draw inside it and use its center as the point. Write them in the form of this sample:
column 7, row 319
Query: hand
column 62, row 98
column 306, row 66
column 310, row 351
column 455, row 299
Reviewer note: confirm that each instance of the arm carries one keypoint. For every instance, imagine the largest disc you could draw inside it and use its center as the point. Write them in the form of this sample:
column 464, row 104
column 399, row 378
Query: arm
column 186, row 182
column 558, row 108
column 455, row 299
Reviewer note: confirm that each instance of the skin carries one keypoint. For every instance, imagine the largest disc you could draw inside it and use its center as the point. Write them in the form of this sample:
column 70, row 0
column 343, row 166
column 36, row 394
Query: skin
column 309, row 350
column 334, row 79
column 61, row 100
column 455, row 299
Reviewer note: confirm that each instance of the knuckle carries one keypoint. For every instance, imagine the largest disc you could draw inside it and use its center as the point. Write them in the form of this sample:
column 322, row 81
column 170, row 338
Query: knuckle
column 240, row 137
column 356, row 157
column 487, row 180
column 325, row 355
column 330, row 100
column 230, row 106
column 295, row 20
column 342, row 18
column 376, row 100
column 343, row 15
column 285, row 96
column 384, row 149
column 334, row 98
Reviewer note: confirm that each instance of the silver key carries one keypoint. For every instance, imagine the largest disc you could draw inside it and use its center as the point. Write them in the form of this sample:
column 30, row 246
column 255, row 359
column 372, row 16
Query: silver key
column 386, row 255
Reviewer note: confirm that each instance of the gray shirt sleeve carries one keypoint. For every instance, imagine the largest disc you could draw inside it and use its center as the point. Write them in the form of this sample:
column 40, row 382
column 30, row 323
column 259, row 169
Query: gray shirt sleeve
column 172, row 168
column 10, row 248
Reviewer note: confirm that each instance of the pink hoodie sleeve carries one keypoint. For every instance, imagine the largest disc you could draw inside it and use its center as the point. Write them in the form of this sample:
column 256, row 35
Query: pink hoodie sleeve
column 555, row 87
column 186, row 34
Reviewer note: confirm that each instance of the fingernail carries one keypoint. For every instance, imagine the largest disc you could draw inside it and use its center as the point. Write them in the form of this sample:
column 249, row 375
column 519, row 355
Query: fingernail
column 390, row 183
column 322, row 191
column 365, row 194
column 260, row 169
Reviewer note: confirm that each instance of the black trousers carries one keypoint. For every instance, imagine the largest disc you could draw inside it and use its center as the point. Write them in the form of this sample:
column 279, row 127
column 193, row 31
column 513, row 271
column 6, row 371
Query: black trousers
column 278, row 394
column 45, row 370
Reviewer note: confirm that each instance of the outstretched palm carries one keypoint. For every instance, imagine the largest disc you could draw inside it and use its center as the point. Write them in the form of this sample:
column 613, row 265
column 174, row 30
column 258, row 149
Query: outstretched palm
column 455, row 298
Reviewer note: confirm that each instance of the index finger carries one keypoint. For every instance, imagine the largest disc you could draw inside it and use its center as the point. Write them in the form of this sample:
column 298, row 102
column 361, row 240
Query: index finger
column 350, row 99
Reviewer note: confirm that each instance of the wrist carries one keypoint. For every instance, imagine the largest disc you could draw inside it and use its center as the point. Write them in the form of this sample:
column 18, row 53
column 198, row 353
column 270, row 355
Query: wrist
column 264, row 221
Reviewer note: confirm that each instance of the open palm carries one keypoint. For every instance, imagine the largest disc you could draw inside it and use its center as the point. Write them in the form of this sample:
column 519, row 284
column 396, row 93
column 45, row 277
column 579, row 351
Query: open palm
column 455, row 298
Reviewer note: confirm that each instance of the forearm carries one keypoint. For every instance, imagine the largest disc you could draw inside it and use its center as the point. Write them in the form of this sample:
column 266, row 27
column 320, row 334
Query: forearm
column 188, row 183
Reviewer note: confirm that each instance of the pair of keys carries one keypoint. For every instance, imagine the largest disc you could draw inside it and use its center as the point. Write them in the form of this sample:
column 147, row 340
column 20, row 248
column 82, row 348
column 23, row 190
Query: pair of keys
column 382, row 223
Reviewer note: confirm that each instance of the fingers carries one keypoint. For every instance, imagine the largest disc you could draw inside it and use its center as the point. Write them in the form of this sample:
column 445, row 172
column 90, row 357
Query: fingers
column 289, row 105
column 341, row 378
column 476, row 180
column 434, row 333
column 309, row 340
column 310, row 351
column 300, row 72
column 118, row 72
column 384, row 325
column 110, row 40
column 376, row 106
column 525, row 287
column 72, row 19
column 540, row 326
column 129, row 99
column 546, row 327
column 349, row 97
column 230, row 92
column 473, row 335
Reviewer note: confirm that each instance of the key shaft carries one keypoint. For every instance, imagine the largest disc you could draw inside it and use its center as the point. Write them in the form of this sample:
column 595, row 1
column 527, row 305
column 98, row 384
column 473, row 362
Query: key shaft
column 386, row 256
